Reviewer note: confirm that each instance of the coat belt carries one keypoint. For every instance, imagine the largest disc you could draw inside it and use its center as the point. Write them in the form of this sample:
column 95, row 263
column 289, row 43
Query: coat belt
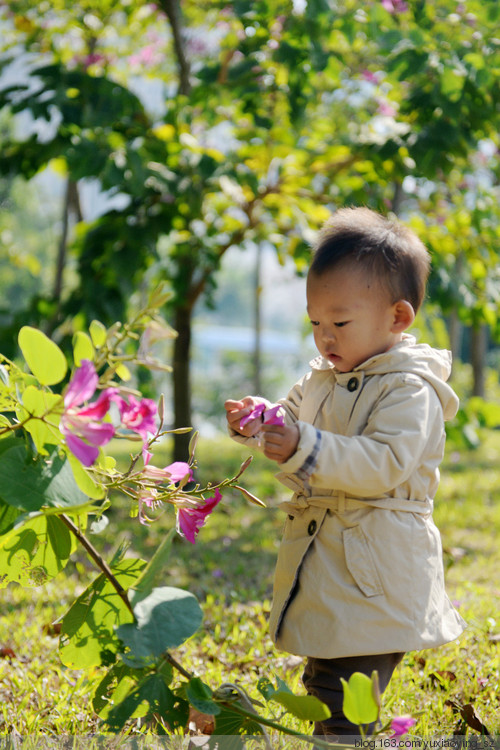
column 339, row 503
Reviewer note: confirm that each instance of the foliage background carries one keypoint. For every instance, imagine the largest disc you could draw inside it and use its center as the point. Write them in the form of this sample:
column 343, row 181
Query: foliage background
column 140, row 142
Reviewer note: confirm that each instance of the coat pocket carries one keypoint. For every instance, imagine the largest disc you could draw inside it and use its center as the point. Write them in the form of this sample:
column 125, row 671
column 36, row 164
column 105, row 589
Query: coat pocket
column 360, row 562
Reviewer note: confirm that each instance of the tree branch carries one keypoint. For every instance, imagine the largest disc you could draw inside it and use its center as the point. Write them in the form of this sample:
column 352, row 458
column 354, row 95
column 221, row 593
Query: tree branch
column 171, row 9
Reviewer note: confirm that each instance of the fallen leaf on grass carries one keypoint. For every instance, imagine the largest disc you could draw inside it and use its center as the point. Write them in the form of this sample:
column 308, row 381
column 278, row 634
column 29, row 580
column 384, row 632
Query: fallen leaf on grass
column 200, row 723
column 7, row 653
column 469, row 715
column 472, row 719
column 54, row 629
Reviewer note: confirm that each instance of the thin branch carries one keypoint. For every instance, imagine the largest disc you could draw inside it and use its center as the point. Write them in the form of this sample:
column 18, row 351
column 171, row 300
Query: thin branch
column 96, row 557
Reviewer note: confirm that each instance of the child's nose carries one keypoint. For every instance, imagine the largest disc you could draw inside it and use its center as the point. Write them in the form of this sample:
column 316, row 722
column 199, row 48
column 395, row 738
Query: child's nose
column 328, row 334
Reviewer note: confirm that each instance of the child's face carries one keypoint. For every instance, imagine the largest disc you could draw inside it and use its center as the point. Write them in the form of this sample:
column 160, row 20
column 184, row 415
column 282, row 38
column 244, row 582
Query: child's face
column 353, row 318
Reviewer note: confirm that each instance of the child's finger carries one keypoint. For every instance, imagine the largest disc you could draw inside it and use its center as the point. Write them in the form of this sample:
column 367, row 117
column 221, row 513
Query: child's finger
column 230, row 405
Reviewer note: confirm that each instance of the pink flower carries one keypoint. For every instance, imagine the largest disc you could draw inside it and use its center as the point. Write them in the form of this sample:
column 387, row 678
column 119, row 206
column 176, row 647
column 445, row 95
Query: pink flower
column 173, row 473
column 138, row 416
column 190, row 520
column 369, row 76
column 395, row 6
column 386, row 109
column 268, row 416
column 401, row 724
column 271, row 416
column 83, row 429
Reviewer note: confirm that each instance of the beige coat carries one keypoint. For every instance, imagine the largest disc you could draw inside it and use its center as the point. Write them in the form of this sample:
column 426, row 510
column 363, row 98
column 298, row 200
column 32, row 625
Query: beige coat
column 360, row 567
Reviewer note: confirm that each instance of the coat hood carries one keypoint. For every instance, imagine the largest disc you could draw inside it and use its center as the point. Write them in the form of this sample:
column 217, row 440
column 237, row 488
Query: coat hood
column 434, row 365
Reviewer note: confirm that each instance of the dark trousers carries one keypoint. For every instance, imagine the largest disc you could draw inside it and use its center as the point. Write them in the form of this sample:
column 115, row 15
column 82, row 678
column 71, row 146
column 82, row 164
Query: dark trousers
column 321, row 678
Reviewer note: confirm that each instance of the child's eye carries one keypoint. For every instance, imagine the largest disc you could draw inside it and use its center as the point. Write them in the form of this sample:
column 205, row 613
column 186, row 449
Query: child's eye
column 341, row 324
column 315, row 322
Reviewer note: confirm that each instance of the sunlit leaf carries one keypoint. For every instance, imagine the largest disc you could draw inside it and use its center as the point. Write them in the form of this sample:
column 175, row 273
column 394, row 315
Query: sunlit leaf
column 44, row 358
column 98, row 333
column 88, row 635
column 82, row 348
column 35, row 552
column 360, row 706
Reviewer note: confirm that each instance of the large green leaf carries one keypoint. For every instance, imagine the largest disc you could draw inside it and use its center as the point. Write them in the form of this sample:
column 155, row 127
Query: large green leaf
column 165, row 619
column 84, row 480
column 88, row 636
column 116, row 684
column 151, row 697
column 46, row 409
column 229, row 722
column 30, row 485
column 36, row 551
column 360, row 704
column 305, row 707
column 44, row 358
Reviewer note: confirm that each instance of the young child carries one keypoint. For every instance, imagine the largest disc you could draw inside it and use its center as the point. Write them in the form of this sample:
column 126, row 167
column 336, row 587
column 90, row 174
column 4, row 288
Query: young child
column 359, row 577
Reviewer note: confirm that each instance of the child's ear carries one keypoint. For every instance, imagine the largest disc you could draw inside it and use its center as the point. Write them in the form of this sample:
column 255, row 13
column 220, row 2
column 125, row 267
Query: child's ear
column 404, row 315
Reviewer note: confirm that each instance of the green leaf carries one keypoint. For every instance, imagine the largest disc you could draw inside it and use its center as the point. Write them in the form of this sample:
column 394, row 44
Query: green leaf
column 88, row 636
column 82, row 348
column 29, row 485
column 98, row 333
column 83, row 479
column 35, row 552
column 116, row 684
column 229, row 722
column 46, row 405
column 165, row 619
column 44, row 358
column 305, row 707
column 360, row 705
column 200, row 696
column 158, row 699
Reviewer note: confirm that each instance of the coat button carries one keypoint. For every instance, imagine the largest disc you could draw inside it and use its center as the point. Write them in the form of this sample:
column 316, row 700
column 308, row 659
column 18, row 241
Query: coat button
column 312, row 527
column 352, row 385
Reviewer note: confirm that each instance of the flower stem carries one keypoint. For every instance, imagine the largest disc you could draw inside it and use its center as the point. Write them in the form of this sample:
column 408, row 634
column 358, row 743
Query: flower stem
column 96, row 557
column 102, row 565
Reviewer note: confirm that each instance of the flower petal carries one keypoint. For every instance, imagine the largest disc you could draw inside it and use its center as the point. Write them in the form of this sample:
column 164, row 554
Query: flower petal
column 98, row 409
column 190, row 520
column 138, row 416
column 271, row 416
column 178, row 470
column 84, row 452
column 401, row 724
column 82, row 385
column 254, row 414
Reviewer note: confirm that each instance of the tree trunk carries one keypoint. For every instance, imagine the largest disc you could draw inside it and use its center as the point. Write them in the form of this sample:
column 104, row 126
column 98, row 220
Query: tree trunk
column 478, row 347
column 71, row 205
column 182, row 381
column 455, row 335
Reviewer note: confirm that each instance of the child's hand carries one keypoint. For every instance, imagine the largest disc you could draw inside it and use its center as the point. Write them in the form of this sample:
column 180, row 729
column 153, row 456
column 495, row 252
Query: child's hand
column 280, row 443
column 236, row 410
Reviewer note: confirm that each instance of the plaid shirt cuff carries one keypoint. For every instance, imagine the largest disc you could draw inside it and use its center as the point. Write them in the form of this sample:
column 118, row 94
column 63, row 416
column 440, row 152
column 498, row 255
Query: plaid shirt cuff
column 309, row 464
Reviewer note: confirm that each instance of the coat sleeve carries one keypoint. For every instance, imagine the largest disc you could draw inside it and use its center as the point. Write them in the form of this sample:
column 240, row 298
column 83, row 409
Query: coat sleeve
column 387, row 452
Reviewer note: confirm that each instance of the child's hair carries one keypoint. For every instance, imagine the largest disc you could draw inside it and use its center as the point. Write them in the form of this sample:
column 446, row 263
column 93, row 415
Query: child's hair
column 382, row 247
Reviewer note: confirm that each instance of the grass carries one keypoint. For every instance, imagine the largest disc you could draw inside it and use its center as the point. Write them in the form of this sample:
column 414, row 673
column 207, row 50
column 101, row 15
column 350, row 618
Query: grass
column 230, row 570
